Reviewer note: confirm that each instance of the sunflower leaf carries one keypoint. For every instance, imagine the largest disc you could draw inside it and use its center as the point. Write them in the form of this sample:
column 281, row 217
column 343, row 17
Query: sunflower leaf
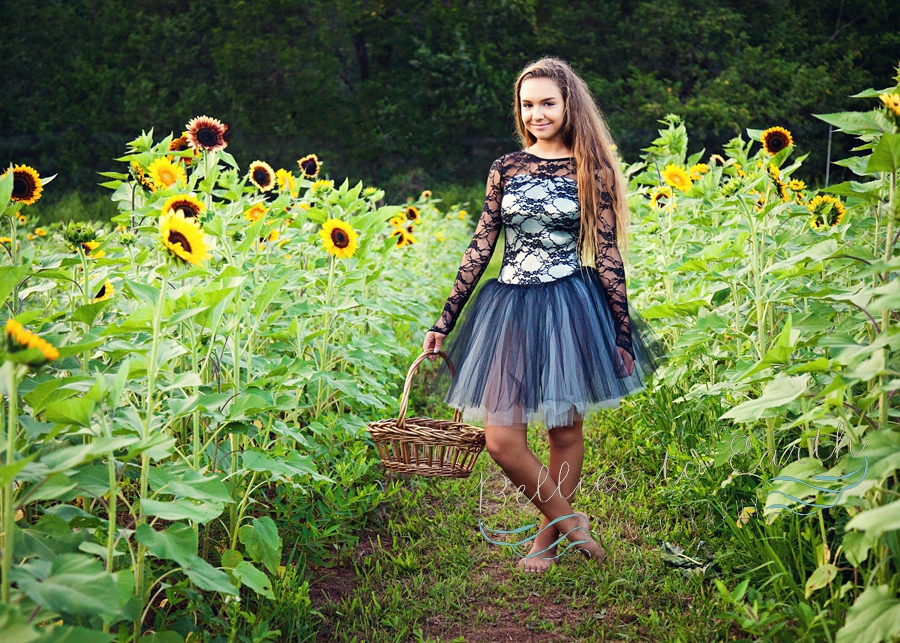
column 6, row 188
column 886, row 157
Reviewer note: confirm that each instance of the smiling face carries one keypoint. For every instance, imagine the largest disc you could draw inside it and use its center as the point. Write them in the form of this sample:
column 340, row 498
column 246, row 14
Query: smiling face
column 543, row 109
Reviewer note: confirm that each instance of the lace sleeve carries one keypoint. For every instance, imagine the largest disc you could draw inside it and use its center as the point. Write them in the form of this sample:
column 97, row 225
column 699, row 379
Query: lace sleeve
column 612, row 271
column 478, row 254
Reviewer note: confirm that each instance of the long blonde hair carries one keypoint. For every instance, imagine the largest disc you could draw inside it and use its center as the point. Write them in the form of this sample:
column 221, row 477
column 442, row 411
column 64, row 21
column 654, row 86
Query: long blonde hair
column 584, row 131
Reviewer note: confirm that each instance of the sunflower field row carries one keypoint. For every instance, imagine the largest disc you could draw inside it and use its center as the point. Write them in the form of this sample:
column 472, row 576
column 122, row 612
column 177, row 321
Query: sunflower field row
column 185, row 396
column 781, row 306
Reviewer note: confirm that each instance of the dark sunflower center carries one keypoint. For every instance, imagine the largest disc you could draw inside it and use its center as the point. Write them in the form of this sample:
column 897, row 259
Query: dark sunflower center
column 410, row 215
column 309, row 167
column 102, row 291
column 177, row 237
column 340, row 238
column 207, row 136
column 261, row 176
column 777, row 142
column 409, row 229
column 23, row 186
column 189, row 209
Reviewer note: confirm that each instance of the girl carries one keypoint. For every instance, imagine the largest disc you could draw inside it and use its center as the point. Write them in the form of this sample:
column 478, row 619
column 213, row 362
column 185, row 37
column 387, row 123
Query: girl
column 553, row 337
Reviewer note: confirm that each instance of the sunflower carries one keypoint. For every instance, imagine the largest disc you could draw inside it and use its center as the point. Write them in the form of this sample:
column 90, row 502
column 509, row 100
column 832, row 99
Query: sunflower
column 256, row 213
column 439, row 236
column 27, row 185
column 286, row 181
column 426, row 194
column 262, row 175
column 273, row 236
column 181, row 144
column 40, row 232
column 369, row 191
column 462, row 214
column 698, row 170
column 776, row 139
column 205, row 133
column 321, row 184
column 17, row 339
column 165, row 174
column 403, row 239
column 106, row 291
column 339, row 238
column 6, row 242
column 740, row 172
column 21, row 218
column 310, row 166
column 141, row 177
column 412, row 214
column 797, row 185
column 826, row 211
column 891, row 101
column 410, row 228
column 88, row 248
column 718, row 158
column 304, row 206
column 660, row 197
column 773, row 171
column 183, row 237
column 191, row 205
column 677, row 177
column 760, row 199
column 783, row 193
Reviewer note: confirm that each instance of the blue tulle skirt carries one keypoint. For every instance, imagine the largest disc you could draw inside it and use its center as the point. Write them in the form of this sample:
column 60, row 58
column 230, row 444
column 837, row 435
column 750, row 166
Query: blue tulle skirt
column 527, row 353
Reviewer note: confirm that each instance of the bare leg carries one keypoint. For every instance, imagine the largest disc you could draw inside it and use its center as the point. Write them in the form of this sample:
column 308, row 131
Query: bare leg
column 566, row 461
column 509, row 449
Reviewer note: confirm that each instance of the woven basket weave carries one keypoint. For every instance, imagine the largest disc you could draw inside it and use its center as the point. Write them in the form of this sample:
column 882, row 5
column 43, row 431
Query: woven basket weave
column 426, row 446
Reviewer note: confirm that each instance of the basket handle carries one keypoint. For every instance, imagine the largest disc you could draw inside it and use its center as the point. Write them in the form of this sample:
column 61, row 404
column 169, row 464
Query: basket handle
column 404, row 400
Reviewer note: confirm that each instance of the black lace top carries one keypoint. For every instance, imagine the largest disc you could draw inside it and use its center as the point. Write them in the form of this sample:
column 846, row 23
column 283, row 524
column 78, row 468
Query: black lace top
column 537, row 200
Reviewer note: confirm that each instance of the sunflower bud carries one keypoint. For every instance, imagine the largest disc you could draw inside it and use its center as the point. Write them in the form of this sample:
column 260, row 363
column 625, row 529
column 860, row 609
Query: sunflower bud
column 78, row 232
column 127, row 238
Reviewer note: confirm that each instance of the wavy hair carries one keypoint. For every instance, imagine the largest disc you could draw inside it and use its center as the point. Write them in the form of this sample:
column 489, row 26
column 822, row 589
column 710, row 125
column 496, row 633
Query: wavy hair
column 585, row 132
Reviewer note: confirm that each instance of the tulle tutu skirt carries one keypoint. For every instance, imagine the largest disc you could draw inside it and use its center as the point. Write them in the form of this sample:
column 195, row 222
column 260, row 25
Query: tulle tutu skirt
column 544, row 352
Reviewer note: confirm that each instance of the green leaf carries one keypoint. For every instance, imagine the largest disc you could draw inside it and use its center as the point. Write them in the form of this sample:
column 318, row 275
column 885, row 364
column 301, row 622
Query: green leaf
column 166, row 636
column 88, row 313
column 857, row 122
column 254, row 579
column 181, row 381
column 144, row 292
column 878, row 520
column 178, row 542
column 262, row 542
column 75, row 584
column 820, row 578
column 75, row 410
column 874, row 617
column 183, row 510
column 10, row 276
column 886, row 157
column 13, row 625
column 857, row 545
column 187, row 483
column 776, row 394
column 205, row 576
column 6, row 186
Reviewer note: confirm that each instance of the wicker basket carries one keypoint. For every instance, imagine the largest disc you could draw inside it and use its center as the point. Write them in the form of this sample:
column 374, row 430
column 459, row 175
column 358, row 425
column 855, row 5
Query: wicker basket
column 426, row 446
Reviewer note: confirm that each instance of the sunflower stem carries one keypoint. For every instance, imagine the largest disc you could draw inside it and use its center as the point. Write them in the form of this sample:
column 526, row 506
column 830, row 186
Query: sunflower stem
column 87, row 300
column 886, row 313
column 145, row 458
column 326, row 324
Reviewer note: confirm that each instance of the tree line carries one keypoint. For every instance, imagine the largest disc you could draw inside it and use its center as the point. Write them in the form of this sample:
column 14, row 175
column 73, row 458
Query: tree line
column 409, row 93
